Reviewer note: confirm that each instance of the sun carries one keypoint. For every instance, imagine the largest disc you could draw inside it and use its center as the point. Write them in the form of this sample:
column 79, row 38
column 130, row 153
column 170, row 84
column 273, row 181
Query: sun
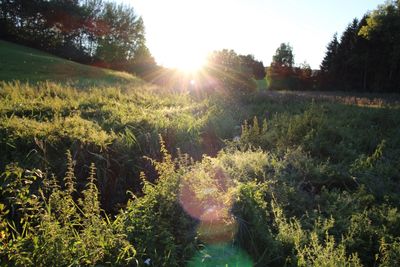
column 185, row 41
column 188, row 61
column 183, row 56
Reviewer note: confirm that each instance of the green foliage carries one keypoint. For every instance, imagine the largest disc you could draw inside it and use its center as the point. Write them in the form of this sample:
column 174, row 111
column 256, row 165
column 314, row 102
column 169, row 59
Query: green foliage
column 122, row 37
column 327, row 254
column 389, row 253
column 110, row 126
column 306, row 182
column 91, row 32
column 284, row 56
column 256, row 229
column 256, row 67
column 54, row 228
column 253, row 134
column 155, row 223
column 366, row 56
column 283, row 75
column 232, row 72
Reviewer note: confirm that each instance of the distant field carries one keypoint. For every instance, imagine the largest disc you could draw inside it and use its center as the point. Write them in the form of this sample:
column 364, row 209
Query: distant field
column 26, row 64
column 359, row 99
column 371, row 100
column 261, row 85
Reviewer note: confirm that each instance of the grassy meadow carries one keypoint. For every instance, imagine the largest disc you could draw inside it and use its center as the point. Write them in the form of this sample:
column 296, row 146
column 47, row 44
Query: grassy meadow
column 26, row 64
column 100, row 168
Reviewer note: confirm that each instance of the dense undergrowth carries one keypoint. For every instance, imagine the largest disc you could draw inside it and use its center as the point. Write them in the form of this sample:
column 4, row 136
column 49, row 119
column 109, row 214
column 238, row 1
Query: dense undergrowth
column 285, row 180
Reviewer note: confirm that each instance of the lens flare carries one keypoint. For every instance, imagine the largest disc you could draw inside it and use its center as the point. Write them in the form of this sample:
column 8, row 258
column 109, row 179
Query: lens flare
column 207, row 195
column 218, row 231
column 221, row 255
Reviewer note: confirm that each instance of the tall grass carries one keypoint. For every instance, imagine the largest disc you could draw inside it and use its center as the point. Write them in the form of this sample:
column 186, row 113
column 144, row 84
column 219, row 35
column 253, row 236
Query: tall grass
column 303, row 183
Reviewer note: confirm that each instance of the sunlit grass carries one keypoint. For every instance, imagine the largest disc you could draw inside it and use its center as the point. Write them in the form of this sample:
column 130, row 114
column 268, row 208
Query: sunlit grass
column 20, row 63
column 308, row 180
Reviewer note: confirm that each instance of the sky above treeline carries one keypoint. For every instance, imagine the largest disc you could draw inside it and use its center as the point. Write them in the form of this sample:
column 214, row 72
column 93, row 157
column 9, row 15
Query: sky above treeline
column 183, row 32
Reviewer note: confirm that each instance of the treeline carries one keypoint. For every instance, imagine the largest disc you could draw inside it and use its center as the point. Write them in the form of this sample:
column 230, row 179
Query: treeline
column 367, row 56
column 92, row 32
column 283, row 74
column 226, row 72
column 234, row 72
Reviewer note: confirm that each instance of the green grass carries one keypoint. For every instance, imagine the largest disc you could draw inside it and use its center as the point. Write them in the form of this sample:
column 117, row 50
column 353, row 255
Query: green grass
column 313, row 179
column 262, row 85
column 20, row 63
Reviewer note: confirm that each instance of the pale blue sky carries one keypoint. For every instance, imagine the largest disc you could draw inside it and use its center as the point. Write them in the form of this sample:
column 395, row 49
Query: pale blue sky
column 180, row 33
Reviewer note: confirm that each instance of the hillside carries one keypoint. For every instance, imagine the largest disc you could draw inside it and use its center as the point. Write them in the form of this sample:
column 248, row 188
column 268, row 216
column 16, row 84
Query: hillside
column 22, row 63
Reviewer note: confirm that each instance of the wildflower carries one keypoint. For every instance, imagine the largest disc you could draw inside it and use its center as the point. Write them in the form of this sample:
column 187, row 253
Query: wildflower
column 147, row 261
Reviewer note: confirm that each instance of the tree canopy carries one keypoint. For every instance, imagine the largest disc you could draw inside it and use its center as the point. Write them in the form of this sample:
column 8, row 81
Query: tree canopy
column 282, row 73
column 234, row 72
column 367, row 56
column 284, row 56
column 91, row 31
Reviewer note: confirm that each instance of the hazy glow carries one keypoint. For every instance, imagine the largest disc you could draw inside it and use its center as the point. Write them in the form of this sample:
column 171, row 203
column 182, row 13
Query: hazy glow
column 180, row 33
column 187, row 60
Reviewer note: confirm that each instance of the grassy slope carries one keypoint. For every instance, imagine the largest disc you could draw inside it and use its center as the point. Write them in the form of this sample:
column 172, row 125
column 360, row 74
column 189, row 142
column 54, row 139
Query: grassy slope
column 118, row 111
column 27, row 64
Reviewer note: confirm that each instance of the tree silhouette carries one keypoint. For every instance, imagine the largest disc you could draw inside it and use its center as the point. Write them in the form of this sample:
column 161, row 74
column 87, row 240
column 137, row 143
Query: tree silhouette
column 280, row 73
column 367, row 57
column 91, row 31
column 284, row 56
column 233, row 72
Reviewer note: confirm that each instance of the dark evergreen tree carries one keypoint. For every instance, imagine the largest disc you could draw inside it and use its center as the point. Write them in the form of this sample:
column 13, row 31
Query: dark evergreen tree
column 367, row 57
column 330, row 55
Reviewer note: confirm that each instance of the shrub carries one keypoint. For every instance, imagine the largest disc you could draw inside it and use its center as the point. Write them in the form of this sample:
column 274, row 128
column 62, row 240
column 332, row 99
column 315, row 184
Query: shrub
column 156, row 223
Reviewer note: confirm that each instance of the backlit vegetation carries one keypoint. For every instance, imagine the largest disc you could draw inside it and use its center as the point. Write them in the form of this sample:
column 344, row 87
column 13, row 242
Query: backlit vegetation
column 98, row 167
column 306, row 183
